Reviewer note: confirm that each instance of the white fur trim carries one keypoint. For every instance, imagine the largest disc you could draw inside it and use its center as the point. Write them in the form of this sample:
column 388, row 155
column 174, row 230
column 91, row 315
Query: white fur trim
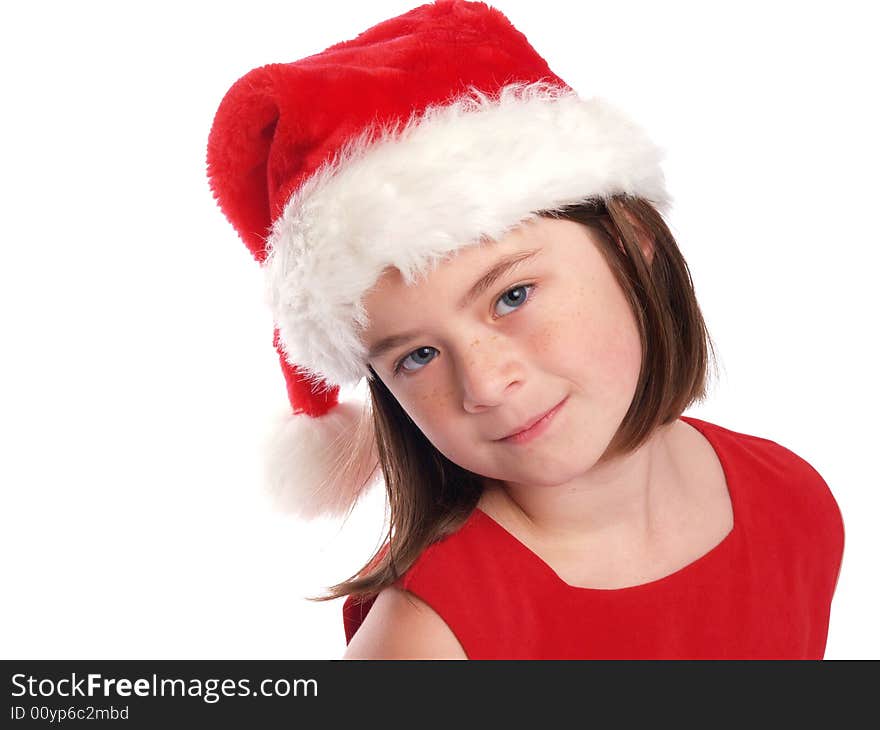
column 453, row 176
column 319, row 467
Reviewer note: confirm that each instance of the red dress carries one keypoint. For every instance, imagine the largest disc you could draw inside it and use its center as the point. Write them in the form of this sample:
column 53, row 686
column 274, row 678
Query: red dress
column 764, row 592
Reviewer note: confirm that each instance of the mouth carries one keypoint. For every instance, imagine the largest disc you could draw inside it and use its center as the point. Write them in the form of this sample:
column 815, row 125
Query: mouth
column 535, row 427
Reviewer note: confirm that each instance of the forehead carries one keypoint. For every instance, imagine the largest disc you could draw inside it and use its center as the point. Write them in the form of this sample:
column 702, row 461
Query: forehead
column 463, row 265
column 451, row 276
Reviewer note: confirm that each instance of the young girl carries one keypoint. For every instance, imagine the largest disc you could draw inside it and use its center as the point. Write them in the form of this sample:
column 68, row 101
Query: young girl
column 437, row 211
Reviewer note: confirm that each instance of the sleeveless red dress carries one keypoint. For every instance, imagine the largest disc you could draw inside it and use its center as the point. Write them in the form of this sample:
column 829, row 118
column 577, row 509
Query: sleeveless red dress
column 764, row 592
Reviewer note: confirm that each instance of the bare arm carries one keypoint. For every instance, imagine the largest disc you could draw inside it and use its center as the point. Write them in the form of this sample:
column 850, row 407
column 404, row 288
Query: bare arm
column 402, row 626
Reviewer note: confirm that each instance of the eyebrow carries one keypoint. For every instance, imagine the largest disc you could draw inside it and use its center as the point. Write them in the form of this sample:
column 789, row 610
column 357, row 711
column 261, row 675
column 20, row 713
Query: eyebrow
column 498, row 270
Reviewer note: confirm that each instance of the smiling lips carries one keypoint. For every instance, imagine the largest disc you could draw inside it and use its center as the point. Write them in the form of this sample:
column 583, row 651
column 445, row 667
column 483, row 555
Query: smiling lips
column 545, row 417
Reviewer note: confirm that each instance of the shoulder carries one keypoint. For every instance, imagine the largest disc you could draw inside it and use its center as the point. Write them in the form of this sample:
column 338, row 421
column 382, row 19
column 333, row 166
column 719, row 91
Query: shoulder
column 400, row 625
column 778, row 478
column 430, row 610
column 770, row 457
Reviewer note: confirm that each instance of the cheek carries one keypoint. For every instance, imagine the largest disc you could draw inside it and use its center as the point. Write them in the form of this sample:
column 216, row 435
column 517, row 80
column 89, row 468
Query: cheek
column 427, row 408
column 593, row 339
column 438, row 417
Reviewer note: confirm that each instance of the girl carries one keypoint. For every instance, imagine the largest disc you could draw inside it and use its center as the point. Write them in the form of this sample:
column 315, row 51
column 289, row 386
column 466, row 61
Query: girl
column 437, row 211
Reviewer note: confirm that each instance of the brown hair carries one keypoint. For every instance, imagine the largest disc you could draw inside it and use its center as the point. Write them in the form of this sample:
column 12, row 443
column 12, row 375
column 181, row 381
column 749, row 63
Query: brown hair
column 429, row 497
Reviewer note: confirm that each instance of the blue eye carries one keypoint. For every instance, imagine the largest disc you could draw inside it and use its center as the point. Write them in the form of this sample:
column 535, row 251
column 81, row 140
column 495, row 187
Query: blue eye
column 517, row 301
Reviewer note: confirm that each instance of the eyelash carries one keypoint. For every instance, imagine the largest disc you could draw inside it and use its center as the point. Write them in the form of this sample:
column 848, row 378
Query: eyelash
column 398, row 366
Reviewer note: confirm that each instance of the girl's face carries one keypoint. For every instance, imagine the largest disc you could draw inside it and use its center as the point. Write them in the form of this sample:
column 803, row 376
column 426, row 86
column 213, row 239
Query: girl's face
column 556, row 326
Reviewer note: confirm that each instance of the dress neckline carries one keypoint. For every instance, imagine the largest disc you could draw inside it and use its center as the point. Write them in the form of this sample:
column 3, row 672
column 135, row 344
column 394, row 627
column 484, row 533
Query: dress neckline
column 714, row 553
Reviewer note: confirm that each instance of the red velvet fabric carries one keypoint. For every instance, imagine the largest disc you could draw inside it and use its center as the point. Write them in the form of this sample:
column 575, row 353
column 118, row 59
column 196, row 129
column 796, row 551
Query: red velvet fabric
column 279, row 123
column 764, row 592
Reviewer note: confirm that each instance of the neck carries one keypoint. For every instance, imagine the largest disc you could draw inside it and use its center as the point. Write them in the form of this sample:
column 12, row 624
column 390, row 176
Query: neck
column 627, row 499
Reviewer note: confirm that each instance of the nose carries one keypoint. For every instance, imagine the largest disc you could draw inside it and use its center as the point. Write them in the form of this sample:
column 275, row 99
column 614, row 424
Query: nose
column 488, row 372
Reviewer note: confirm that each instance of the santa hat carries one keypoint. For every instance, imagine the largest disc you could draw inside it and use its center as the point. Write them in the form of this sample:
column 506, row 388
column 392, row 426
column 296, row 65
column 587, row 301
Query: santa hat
column 428, row 132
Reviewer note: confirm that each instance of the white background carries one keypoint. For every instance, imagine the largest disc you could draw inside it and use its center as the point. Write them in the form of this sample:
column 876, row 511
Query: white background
column 138, row 372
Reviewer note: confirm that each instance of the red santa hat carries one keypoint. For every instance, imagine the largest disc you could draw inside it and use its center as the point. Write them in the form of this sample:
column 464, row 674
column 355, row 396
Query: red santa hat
column 428, row 132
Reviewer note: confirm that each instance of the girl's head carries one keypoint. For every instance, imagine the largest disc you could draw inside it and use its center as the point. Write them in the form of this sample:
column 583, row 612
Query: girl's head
column 375, row 183
column 597, row 308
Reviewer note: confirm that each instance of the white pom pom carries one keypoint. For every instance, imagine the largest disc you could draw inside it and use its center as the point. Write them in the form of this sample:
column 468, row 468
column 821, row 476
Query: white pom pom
column 315, row 467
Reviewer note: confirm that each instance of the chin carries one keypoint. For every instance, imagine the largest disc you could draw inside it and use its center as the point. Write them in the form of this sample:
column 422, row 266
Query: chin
column 542, row 475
